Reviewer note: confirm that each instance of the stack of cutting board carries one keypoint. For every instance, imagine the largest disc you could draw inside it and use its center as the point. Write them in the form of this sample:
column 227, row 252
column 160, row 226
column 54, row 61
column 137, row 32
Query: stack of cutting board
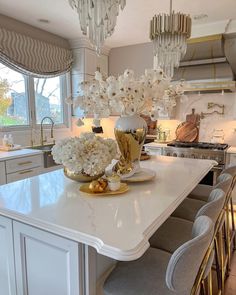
column 188, row 131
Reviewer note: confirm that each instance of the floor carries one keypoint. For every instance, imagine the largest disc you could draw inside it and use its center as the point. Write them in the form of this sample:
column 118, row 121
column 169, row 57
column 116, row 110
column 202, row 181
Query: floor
column 231, row 280
column 230, row 284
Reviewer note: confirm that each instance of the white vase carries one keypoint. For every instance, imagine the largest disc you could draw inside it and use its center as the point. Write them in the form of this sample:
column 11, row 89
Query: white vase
column 130, row 133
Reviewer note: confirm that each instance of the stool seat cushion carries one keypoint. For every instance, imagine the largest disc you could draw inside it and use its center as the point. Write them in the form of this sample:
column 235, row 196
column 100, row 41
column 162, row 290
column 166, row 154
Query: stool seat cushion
column 201, row 192
column 145, row 276
column 188, row 209
column 173, row 233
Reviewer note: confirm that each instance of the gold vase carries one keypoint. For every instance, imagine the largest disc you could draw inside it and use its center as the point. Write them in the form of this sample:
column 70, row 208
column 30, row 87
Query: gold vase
column 130, row 133
column 80, row 177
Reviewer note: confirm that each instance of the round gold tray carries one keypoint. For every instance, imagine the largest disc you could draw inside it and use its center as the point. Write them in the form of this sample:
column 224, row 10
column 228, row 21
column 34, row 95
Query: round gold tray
column 143, row 175
column 85, row 189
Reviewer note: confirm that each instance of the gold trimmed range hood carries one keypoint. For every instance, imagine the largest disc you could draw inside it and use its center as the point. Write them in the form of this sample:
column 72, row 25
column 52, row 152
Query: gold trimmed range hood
column 209, row 64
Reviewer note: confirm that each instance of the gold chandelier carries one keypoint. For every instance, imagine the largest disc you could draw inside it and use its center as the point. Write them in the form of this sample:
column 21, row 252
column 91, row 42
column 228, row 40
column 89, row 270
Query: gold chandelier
column 169, row 33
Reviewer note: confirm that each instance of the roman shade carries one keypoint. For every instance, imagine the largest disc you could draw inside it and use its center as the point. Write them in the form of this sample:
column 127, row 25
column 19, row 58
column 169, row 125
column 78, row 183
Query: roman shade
column 31, row 56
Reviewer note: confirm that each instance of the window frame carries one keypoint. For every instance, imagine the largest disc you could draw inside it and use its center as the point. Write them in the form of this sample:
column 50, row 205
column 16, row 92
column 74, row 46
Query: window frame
column 65, row 85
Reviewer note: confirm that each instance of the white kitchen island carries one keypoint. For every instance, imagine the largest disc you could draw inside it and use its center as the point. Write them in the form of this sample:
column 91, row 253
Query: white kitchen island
column 48, row 228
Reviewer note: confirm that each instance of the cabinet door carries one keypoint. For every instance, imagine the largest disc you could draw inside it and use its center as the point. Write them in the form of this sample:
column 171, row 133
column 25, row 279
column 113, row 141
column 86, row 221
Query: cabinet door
column 46, row 264
column 2, row 173
column 7, row 268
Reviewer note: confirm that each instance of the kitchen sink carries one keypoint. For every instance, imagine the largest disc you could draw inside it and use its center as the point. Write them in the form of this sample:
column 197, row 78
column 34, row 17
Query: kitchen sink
column 47, row 154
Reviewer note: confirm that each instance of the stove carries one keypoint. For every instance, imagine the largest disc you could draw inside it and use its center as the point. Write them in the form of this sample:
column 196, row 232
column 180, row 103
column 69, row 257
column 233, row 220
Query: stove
column 199, row 150
column 199, row 145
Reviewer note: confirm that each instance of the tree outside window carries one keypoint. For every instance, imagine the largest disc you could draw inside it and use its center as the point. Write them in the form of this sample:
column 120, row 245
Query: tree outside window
column 17, row 101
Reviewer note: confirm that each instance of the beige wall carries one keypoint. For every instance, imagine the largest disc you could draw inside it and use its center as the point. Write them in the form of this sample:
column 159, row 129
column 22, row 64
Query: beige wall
column 135, row 57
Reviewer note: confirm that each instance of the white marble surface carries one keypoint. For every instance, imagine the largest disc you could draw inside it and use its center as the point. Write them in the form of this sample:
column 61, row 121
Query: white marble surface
column 18, row 154
column 231, row 150
column 117, row 226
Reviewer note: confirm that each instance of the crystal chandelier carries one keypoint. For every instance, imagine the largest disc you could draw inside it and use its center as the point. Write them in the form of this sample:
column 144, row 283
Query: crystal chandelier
column 169, row 34
column 97, row 18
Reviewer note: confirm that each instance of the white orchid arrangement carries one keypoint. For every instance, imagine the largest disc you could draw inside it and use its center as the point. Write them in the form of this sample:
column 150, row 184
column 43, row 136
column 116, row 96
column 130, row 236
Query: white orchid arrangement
column 126, row 95
column 88, row 154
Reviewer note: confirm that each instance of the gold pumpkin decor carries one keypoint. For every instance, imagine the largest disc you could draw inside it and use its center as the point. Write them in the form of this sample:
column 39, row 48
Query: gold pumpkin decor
column 98, row 186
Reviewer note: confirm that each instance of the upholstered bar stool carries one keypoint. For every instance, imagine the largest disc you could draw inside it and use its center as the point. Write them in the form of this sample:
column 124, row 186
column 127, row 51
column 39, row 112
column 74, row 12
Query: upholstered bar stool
column 226, row 183
column 202, row 191
column 176, row 231
column 159, row 272
column 232, row 171
column 189, row 209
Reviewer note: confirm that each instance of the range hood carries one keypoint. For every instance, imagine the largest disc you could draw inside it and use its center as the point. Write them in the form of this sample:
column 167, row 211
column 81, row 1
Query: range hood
column 209, row 64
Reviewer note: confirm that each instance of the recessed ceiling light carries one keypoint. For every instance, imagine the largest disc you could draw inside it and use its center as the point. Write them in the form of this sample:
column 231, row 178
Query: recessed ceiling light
column 44, row 21
column 200, row 16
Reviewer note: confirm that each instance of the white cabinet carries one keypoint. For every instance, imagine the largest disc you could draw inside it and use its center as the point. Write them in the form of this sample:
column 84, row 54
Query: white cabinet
column 2, row 173
column 20, row 168
column 232, row 159
column 45, row 263
column 7, row 268
column 87, row 62
column 23, row 163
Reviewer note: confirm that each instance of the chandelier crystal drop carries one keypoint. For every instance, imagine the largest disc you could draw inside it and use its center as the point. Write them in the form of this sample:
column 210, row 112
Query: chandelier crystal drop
column 169, row 33
column 97, row 18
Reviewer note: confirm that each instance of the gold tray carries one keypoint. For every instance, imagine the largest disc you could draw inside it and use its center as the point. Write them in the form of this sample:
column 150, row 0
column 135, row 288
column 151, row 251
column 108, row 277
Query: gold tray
column 143, row 175
column 85, row 189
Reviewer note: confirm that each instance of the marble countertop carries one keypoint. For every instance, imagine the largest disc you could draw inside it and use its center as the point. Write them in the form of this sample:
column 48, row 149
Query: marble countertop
column 231, row 150
column 117, row 226
column 18, row 154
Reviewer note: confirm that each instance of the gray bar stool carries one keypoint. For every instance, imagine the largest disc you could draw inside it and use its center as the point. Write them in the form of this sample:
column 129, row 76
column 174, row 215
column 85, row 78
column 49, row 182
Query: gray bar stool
column 202, row 191
column 176, row 231
column 159, row 272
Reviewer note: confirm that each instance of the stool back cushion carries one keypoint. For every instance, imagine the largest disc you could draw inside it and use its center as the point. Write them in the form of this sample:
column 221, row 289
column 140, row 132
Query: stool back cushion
column 230, row 170
column 185, row 262
column 224, row 182
column 214, row 205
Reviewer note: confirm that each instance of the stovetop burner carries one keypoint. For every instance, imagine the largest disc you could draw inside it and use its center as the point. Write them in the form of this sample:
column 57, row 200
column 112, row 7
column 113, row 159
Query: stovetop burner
column 199, row 145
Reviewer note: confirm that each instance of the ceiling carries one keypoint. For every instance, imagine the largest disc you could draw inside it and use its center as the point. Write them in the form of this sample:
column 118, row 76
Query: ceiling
column 132, row 25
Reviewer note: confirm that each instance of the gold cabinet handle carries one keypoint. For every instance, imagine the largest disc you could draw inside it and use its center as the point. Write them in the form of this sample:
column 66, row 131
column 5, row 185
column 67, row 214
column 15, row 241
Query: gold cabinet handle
column 25, row 172
column 25, row 163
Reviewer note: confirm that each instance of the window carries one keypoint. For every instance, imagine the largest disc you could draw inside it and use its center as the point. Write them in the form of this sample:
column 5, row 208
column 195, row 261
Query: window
column 24, row 100
column 13, row 98
column 48, row 99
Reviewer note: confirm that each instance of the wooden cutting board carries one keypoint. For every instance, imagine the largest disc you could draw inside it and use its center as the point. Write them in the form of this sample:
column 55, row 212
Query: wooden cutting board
column 193, row 118
column 187, row 131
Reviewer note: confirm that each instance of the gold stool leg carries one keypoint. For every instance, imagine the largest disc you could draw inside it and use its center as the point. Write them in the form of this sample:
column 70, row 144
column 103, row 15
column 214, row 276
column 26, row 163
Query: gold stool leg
column 233, row 222
column 217, row 260
column 209, row 284
column 221, row 253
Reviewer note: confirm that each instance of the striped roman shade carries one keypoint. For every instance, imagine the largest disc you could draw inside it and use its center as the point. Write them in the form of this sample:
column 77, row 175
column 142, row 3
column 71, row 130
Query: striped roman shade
column 32, row 56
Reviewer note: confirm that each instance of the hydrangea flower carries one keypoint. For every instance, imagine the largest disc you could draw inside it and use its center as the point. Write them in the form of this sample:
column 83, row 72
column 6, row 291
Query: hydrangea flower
column 89, row 154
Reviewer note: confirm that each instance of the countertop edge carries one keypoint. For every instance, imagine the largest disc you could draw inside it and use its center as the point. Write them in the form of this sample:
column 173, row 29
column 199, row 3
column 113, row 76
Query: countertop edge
column 14, row 155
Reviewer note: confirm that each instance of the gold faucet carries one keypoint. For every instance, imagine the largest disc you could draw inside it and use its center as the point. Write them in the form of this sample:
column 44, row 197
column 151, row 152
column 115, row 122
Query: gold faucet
column 41, row 129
